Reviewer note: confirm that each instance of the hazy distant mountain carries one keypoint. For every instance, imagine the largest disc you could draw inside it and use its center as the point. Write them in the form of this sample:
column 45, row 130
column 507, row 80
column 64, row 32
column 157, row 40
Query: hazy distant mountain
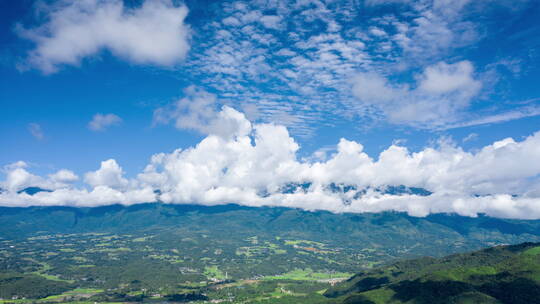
column 33, row 190
column 396, row 233
column 353, row 191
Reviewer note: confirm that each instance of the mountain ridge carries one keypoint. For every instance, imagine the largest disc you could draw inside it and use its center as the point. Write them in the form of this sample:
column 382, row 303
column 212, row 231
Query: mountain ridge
column 501, row 274
column 367, row 227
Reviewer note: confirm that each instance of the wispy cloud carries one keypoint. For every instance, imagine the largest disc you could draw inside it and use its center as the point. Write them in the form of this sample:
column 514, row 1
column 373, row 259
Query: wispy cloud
column 306, row 63
column 297, row 63
column 441, row 92
column 36, row 131
column 100, row 122
column 519, row 113
column 470, row 137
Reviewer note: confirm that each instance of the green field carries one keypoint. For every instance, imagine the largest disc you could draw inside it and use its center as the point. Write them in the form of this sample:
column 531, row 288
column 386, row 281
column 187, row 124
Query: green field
column 309, row 275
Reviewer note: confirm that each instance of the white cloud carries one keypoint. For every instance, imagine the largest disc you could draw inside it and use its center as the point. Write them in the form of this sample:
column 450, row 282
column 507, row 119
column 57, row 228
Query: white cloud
column 380, row 2
column 198, row 111
column 36, row 131
column 372, row 88
column 437, row 28
column 18, row 178
column 286, row 52
column 307, row 75
column 153, row 33
column 98, row 196
column 15, row 165
column 521, row 112
column 443, row 92
column 470, row 137
column 64, row 176
column 444, row 78
column 375, row 31
column 301, row 70
column 193, row 111
column 271, row 22
column 100, row 122
column 110, row 174
column 296, row 77
column 250, row 168
column 231, row 21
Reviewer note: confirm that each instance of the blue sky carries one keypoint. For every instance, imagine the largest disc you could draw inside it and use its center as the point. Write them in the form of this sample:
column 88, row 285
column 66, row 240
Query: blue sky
column 82, row 82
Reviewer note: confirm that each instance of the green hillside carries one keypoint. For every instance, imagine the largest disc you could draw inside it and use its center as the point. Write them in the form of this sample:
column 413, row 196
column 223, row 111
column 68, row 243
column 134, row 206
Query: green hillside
column 158, row 252
column 502, row 274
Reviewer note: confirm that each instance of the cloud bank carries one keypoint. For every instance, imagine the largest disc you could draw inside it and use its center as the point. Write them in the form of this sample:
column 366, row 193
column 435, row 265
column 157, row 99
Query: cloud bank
column 153, row 33
column 257, row 165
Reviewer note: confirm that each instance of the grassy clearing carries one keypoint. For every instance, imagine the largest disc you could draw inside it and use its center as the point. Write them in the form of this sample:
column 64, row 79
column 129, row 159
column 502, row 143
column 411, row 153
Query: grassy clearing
column 304, row 242
column 78, row 292
column 141, row 239
column 80, row 259
column 308, row 275
column 464, row 273
column 165, row 257
column 262, row 249
column 119, row 249
column 213, row 272
column 46, row 267
column 381, row 295
column 104, row 244
column 532, row 251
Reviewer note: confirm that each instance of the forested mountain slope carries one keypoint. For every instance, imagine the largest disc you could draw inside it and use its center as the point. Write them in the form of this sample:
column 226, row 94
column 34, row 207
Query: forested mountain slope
column 502, row 274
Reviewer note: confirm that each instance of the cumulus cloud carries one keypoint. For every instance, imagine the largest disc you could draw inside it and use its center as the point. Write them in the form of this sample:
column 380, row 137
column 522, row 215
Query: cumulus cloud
column 36, row 131
column 100, row 122
column 442, row 92
column 259, row 167
column 444, row 78
column 110, row 174
column 18, row 178
column 198, row 111
column 64, row 177
column 153, row 33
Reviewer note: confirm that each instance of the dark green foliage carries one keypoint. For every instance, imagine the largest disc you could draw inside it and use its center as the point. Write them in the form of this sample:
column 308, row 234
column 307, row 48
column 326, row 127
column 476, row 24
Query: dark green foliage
column 29, row 286
column 429, row 292
column 357, row 299
column 363, row 284
column 503, row 274
column 186, row 297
